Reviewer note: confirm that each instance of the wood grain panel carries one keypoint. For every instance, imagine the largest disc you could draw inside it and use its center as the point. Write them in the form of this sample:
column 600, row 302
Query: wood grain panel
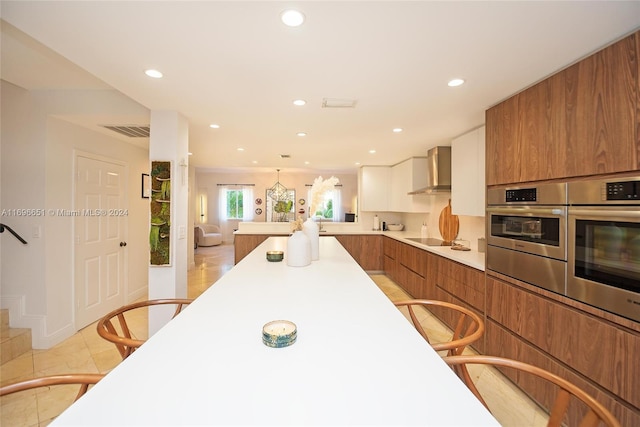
column 390, row 247
column 502, row 342
column 598, row 349
column 582, row 121
column 637, row 130
column 502, row 151
column 601, row 95
column 365, row 249
column 413, row 258
column 245, row 243
column 464, row 282
column 541, row 133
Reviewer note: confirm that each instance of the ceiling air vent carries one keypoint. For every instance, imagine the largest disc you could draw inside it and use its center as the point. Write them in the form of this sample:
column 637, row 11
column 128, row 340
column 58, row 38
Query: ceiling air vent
column 338, row 103
column 132, row 131
column 285, row 156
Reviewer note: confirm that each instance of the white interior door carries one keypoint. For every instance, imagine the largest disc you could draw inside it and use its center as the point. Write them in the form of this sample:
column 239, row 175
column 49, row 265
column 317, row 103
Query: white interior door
column 100, row 241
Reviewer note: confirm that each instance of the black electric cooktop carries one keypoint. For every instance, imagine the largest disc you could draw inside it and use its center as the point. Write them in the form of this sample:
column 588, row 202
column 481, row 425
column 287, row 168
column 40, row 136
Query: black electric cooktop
column 429, row 241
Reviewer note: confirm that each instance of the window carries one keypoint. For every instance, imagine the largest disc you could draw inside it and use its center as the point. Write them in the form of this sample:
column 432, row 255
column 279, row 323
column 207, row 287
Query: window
column 325, row 209
column 235, row 204
column 329, row 208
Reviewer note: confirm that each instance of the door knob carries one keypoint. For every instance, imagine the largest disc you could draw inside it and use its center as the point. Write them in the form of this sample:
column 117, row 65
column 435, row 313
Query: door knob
column 123, row 244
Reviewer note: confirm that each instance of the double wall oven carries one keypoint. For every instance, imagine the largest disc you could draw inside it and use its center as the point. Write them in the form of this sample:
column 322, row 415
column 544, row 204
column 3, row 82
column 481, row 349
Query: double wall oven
column 580, row 239
column 604, row 244
column 527, row 234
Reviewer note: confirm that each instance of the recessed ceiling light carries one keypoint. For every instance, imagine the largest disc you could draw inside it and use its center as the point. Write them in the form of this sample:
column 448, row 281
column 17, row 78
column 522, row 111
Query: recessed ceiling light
column 292, row 18
column 301, row 134
column 397, row 130
column 240, row 149
column 455, row 82
column 299, row 102
column 214, row 126
column 357, row 163
column 255, row 162
column 372, row 151
column 153, row 73
column 307, row 162
column 189, row 154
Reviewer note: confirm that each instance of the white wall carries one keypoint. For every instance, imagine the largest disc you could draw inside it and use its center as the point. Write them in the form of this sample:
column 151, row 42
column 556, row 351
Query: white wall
column 37, row 147
column 207, row 184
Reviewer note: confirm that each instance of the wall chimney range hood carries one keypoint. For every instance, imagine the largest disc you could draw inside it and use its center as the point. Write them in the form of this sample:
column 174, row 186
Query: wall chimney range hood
column 438, row 172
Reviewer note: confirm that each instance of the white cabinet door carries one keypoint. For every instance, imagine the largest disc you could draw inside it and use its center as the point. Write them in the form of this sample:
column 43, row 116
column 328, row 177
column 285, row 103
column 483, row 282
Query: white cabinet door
column 468, row 173
column 374, row 188
column 400, row 178
column 408, row 176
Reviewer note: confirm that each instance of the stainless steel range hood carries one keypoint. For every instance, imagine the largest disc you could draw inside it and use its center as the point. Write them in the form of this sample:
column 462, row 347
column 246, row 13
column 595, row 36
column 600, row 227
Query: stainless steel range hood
column 438, row 172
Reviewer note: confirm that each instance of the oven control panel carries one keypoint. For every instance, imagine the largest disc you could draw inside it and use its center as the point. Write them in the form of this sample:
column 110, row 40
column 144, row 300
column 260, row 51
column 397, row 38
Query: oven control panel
column 521, row 195
column 626, row 190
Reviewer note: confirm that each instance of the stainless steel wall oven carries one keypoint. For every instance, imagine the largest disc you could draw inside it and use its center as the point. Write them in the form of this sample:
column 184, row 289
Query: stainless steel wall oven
column 604, row 244
column 527, row 234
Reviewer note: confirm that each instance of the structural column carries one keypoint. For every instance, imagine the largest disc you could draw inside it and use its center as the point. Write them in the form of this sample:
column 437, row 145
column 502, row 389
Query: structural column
column 169, row 141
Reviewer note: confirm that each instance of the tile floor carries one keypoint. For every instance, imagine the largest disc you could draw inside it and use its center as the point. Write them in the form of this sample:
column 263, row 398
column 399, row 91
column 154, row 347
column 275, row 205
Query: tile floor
column 87, row 352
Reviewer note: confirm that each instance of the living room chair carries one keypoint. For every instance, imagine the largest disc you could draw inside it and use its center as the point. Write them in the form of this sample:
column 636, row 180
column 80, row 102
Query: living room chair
column 593, row 414
column 121, row 335
column 208, row 235
column 469, row 327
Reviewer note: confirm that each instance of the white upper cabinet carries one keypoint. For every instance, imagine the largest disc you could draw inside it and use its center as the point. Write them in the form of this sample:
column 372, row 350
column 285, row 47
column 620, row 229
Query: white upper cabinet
column 374, row 184
column 408, row 176
column 468, row 173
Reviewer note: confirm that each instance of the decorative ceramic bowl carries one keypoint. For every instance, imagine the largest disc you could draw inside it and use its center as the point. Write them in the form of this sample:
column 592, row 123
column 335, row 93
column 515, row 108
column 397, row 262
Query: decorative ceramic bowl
column 275, row 256
column 395, row 227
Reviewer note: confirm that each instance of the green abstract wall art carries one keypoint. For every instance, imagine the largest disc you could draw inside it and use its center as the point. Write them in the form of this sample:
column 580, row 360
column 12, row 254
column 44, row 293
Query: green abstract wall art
column 160, row 206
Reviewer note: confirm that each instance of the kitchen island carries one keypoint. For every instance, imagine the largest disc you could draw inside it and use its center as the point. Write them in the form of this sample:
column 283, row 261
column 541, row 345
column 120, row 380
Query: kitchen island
column 356, row 360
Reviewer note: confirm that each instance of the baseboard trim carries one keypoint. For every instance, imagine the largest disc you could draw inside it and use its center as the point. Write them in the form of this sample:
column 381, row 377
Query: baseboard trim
column 18, row 318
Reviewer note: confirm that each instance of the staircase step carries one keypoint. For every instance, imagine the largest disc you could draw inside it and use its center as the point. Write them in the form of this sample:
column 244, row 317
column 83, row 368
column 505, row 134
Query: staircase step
column 13, row 341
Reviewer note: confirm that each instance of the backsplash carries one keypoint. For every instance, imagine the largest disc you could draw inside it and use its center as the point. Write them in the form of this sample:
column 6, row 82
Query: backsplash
column 471, row 227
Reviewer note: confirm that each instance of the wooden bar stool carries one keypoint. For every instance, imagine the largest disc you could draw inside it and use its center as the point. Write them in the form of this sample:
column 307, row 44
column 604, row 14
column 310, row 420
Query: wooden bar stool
column 469, row 326
column 558, row 408
column 121, row 337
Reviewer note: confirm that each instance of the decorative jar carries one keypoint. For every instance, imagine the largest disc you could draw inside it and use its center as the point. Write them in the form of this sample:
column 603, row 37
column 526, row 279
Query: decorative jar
column 298, row 250
column 311, row 229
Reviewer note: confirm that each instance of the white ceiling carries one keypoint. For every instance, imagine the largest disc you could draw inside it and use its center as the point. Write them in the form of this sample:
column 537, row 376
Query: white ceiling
column 234, row 63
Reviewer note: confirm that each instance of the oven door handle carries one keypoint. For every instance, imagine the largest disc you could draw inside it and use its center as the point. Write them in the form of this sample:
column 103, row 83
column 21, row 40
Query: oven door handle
column 528, row 211
column 604, row 213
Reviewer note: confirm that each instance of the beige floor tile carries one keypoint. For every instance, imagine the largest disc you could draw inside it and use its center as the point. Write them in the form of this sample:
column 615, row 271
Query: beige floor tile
column 19, row 409
column 18, row 369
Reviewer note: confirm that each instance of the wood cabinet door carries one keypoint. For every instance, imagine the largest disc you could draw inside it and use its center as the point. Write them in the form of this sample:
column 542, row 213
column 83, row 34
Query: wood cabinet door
column 601, row 96
column 502, row 143
column 413, row 258
column 583, row 120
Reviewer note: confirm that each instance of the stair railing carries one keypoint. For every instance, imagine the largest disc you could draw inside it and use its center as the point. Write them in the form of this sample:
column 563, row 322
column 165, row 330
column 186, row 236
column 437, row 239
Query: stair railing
column 16, row 235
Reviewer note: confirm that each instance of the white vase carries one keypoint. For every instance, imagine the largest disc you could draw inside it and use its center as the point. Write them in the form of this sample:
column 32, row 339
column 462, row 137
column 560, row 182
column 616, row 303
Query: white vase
column 312, row 231
column 298, row 250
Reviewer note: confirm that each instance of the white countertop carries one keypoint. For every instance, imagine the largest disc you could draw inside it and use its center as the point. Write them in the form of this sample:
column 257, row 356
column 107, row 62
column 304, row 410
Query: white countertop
column 357, row 360
column 471, row 258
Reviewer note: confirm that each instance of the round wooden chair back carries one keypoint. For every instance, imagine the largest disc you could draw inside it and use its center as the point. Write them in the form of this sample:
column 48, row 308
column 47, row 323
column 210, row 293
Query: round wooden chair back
column 122, row 336
column 469, row 327
column 83, row 380
column 595, row 412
